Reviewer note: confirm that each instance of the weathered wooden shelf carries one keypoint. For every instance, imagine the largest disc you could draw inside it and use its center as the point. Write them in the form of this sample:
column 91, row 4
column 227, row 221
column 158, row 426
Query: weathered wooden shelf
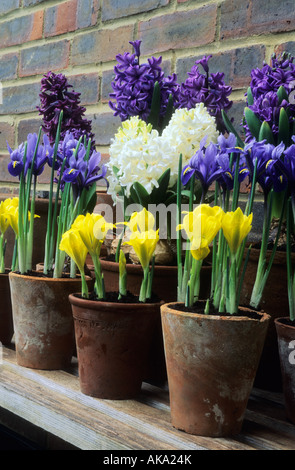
column 52, row 401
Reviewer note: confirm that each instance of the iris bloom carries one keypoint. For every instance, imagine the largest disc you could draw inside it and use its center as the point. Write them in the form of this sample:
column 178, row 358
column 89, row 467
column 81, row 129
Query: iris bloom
column 144, row 244
column 15, row 166
column 93, row 228
column 141, row 221
column 204, row 164
column 75, row 248
column 201, row 227
column 4, row 224
column 236, row 226
column 4, row 207
column 43, row 153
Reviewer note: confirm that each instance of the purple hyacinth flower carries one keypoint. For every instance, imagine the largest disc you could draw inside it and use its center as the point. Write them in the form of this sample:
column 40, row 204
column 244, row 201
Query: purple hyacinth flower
column 265, row 83
column 134, row 83
column 56, row 95
column 207, row 88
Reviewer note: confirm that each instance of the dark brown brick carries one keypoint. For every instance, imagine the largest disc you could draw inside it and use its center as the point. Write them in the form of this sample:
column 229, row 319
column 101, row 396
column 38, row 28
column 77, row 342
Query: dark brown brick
column 234, row 18
column 40, row 59
column 178, row 30
column 112, row 9
column 8, row 5
column 21, row 29
column 244, row 60
column 20, row 99
column 7, row 133
column 87, row 85
column 87, row 13
column 104, row 127
column 8, row 66
column 28, row 126
column 101, row 46
column 60, row 19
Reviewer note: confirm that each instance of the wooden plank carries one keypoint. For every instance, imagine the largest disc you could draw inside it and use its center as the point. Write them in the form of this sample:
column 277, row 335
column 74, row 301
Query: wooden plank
column 52, row 401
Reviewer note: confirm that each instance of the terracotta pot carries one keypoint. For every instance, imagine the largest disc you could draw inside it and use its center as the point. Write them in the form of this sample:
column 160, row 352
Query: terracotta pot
column 211, row 365
column 165, row 287
column 6, row 323
column 43, row 322
column 275, row 303
column 113, row 342
column 164, row 282
column 286, row 344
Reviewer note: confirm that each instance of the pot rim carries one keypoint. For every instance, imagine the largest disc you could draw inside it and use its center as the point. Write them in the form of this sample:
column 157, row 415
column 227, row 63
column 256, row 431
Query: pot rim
column 92, row 304
column 283, row 325
column 136, row 267
column 46, row 279
column 168, row 306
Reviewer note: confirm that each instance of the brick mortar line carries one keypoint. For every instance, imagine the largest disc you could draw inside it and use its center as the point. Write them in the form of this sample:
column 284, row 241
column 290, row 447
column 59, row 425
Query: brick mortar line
column 214, row 48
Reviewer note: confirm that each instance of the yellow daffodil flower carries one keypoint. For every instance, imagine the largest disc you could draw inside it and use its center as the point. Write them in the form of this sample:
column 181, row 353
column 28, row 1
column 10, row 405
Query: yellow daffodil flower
column 201, row 227
column 141, row 221
column 93, row 230
column 4, row 207
column 144, row 245
column 236, row 226
column 74, row 246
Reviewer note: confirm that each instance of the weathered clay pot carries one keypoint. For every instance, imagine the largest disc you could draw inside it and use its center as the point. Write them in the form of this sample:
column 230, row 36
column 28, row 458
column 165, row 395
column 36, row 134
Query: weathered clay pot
column 211, row 365
column 286, row 344
column 164, row 281
column 6, row 323
column 165, row 287
column 274, row 302
column 42, row 318
column 113, row 342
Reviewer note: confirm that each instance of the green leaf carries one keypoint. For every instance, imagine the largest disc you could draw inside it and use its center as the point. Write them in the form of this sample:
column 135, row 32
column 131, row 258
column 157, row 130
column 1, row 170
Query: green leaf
column 282, row 94
column 250, row 99
column 140, row 195
column 284, row 131
column 266, row 133
column 88, row 199
column 155, row 106
column 253, row 123
column 231, row 128
column 169, row 111
column 158, row 194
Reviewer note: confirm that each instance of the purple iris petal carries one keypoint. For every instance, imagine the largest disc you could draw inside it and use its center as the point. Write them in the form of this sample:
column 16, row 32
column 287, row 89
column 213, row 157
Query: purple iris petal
column 15, row 166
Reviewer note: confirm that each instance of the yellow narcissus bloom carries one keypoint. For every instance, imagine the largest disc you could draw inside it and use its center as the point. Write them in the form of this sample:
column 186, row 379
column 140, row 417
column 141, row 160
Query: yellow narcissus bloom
column 141, row 221
column 236, row 226
column 201, row 226
column 93, row 229
column 144, row 245
column 75, row 248
column 4, row 207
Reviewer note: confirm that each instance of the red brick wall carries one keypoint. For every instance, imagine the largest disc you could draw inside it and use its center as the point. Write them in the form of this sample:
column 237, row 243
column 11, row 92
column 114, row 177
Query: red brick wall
column 82, row 37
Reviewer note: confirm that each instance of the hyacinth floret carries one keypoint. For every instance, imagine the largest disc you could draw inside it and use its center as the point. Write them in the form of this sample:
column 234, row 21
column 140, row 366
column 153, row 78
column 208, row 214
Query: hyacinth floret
column 207, row 88
column 134, row 83
column 265, row 84
column 56, row 95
